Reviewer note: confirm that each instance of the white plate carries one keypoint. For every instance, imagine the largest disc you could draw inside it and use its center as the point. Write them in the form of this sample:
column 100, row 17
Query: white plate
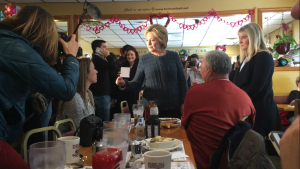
column 178, row 143
column 170, row 121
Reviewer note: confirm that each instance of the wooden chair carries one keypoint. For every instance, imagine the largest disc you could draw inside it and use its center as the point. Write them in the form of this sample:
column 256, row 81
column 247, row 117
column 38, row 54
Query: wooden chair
column 70, row 122
column 29, row 133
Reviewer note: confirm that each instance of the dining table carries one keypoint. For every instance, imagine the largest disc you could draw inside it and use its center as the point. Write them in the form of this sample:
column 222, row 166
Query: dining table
column 285, row 107
column 177, row 133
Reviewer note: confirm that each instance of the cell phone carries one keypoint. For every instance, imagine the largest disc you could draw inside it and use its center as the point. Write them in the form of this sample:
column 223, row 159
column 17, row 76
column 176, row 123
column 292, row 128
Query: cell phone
column 99, row 50
column 275, row 137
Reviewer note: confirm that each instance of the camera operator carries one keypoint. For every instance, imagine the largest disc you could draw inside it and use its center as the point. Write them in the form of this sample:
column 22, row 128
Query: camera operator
column 29, row 42
column 194, row 70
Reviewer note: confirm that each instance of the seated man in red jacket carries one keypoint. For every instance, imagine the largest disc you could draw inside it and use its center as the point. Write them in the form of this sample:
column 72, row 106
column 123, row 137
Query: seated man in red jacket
column 211, row 108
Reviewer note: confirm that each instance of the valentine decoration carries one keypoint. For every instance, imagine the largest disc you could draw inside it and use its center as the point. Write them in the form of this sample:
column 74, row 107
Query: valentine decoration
column 11, row 9
column 2, row 16
column 211, row 13
column 223, row 48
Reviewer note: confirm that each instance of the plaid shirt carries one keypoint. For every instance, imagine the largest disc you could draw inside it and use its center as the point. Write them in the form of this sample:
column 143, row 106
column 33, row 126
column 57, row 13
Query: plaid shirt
column 164, row 80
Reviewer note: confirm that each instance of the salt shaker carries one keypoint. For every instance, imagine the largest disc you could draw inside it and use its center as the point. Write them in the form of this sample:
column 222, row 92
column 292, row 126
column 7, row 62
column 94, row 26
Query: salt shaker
column 135, row 147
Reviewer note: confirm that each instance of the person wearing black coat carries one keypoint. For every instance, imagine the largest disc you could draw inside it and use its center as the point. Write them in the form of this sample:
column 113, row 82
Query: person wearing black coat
column 254, row 76
column 132, row 61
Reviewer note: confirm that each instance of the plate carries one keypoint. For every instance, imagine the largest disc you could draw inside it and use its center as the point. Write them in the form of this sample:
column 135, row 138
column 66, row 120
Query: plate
column 169, row 120
column 178, row 143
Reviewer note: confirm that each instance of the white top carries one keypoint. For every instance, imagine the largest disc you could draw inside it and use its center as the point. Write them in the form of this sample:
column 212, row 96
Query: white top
column 244, row 62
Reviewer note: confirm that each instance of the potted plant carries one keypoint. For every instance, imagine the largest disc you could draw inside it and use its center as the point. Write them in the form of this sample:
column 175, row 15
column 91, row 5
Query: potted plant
column 283, row 44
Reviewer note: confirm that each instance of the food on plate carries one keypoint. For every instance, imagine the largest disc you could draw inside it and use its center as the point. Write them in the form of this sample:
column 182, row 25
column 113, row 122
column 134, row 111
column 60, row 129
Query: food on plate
column 160, row 139
column 168, row 125
column 168, row 119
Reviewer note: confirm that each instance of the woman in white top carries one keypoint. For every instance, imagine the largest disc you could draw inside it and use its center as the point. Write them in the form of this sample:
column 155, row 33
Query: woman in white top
column 82, row 104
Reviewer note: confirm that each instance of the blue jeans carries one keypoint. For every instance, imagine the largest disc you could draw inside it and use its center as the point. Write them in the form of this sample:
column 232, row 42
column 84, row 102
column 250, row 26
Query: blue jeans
column 102, row 107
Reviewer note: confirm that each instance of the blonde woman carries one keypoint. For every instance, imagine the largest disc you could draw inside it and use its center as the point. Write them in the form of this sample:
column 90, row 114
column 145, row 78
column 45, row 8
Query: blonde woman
column 82, row 104
column 28, row 46
column 254, row 76
column 162, row 72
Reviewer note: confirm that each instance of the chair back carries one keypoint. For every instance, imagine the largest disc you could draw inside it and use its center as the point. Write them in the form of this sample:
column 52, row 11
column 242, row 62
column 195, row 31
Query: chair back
column 29, row 133
column 124, row 109
column 70, row 122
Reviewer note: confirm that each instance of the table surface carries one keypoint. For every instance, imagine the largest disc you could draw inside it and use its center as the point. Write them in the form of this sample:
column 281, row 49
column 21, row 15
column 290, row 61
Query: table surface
column 178, row 133
column 285, row 107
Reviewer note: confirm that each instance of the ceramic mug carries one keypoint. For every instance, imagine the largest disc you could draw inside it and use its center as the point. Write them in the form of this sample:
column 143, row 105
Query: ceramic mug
column 155, row 159
column 72, row 148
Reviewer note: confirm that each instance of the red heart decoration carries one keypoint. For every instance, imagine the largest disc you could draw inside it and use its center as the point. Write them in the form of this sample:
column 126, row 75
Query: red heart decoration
column 97, row 31
column 88, row 28
column 180, row 25
column 139, row 28
column 122, row 26
column 219, row 19
column 107, row 24
column 223, row 48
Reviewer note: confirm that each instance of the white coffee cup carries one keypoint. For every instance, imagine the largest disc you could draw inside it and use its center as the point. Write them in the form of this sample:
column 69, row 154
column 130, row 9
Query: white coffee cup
column 156, row 159
column 72, row 148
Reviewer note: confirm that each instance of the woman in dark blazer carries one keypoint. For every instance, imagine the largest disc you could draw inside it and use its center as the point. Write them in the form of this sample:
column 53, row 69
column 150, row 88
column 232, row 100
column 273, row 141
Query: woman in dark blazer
column 254, row 76
column 132, row 61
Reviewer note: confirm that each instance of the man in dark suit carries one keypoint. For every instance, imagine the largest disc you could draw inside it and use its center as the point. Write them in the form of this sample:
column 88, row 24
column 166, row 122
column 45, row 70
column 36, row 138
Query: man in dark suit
column 235, row 66
column 104, row 63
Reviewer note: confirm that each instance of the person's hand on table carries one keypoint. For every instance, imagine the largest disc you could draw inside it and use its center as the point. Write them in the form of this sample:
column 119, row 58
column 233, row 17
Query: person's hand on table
column 292, row 103
column 289, row 146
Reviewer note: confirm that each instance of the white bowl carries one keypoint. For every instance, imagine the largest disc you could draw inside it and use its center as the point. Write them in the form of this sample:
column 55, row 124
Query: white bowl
column 163, row 145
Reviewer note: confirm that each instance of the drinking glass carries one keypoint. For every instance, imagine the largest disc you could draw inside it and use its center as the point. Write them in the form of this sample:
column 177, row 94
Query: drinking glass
column 108, row 124
column 47, row 155
column 121, row 119
column 138, row 110
column 117, row 138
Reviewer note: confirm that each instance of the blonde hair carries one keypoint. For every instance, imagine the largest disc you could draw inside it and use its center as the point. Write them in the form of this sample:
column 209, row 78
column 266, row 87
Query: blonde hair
column 84, row 70
column 39, row 28
column 297, row 80
column 160, row 32
column 256, row 41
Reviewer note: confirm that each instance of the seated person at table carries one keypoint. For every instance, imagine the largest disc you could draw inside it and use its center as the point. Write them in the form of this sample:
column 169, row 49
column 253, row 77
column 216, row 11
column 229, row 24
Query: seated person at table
column 211, row 108
column 293, row 96
column 82, row 104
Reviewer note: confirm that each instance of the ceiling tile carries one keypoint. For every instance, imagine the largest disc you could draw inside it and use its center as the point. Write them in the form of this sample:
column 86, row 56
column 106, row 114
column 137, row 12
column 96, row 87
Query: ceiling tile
column 135, row 36
column 107, row 36
column 61, row 23
column 132, row 40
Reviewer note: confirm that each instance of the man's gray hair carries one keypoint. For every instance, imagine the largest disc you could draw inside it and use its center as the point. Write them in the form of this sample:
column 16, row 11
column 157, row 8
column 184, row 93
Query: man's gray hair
column 219, row 61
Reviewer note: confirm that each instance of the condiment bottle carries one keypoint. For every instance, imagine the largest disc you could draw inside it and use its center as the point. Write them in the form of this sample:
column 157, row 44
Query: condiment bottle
column 152, row 123
column 140, row 129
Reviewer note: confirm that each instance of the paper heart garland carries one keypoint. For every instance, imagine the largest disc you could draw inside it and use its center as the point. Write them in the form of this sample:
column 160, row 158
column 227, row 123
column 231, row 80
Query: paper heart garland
column 223, row 48
column 211, row 13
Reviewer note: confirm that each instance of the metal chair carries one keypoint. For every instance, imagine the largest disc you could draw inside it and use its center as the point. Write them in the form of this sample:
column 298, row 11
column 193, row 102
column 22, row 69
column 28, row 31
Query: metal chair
column 71, row 123
column 124, row 109
column 29, row 133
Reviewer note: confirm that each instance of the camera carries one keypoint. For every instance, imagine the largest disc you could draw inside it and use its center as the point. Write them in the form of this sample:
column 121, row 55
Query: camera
column 64, row 37
column 192, row 63
column 90, row 130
